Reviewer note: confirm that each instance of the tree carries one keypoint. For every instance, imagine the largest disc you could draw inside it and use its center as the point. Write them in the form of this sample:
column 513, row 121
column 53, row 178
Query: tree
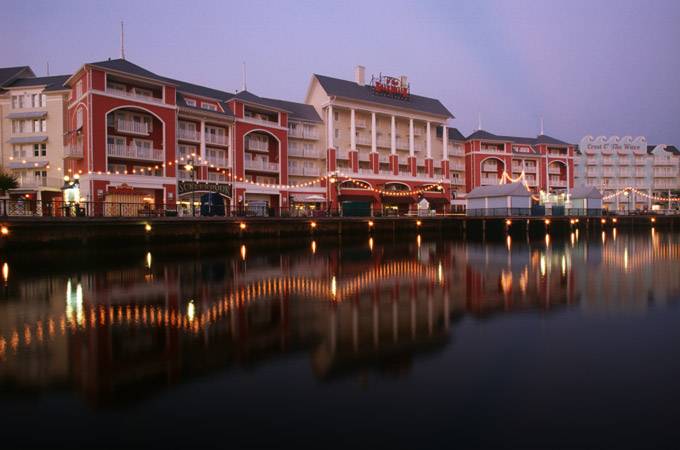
column 7, row 181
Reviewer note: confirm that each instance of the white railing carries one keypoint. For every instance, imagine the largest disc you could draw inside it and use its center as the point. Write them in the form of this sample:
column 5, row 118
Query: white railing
column 302, row 133
column 261, row 165
column 382, row 142
column 592, row 173
column 342, row 154
column 663, row 161
column 366, row 172
column 217, row 177
column 219, row 139
column 607, row 161
column 184, row 174
column 267, row 123
column 553, row 170
column 73, row 151
column 127, row 126
column 191, row 135
column 295, row 170
column 492, row 150
column 558, row 183
column 303, row 152
column 363, row 140
column 489, row 180
column 32, row 181
column 459, row 167
column 402, row 144
column 591, row 161
column 640, row 161
column 135, row 152
column 133, row 95
column 216, row 161
column 671, row 172
column 489, row 167
column 257, row 145
column 360, row 123
column 624, row 161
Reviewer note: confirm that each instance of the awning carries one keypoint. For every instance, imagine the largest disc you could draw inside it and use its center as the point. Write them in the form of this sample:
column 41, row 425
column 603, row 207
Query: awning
column 27, row 164
column 27, row 115
column 310, row 199
column 27, row 139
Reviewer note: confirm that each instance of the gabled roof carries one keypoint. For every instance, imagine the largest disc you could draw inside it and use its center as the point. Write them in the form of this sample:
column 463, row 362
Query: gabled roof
column 516, row 189
column 299, row 111
column 483, row 135
column 9, row 74
column 182, row 104
column 452, row 133
column 52, row 83
column 351, row 90
column 125, row 66
column 669, row 148
column 201, row 91
column 585, row 192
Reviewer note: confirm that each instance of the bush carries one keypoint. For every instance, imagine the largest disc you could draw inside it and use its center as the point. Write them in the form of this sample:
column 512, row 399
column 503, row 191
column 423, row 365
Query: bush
column 7, row 181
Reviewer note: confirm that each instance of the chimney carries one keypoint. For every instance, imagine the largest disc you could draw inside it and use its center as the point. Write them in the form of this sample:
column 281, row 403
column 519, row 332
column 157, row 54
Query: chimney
column 404, row 80
column 360, row 75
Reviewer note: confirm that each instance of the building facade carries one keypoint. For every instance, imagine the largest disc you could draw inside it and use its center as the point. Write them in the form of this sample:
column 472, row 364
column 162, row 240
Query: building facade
column 545, row 163
column 630, row 173
column 32, row 118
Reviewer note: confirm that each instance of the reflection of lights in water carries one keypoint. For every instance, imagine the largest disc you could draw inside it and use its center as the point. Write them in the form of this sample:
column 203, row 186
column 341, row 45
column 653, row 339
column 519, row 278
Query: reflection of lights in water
column 313, row 247
column 614, row 234
column 625, row 258
column 243, row 252
column 440, row 274
column 542, row 264
column 148, row 260
column 564, row 265
column 508, row 242
column 573, row 239
column 418, row 240
column 370, row 243
column 604, row 237
column 547, row 240
column 524, row 280
column 74, row 303
column 577, row 234
column 5, row 272
column 334, row 287
column 191, row 311
column 506, row 281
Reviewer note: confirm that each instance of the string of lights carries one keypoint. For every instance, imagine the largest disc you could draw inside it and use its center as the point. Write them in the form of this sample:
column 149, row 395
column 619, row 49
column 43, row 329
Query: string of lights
column 627, row 190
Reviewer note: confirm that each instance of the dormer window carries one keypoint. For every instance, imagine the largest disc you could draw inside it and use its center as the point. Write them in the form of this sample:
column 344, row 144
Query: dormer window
column 190, row 102
column 208, row 106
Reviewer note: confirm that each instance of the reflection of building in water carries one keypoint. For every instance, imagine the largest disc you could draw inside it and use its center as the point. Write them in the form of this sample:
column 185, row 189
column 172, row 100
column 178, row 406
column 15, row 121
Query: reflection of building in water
column 121, row 334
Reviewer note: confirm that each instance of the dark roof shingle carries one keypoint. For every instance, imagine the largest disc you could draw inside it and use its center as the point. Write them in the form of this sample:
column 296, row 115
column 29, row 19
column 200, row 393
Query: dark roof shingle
column 52, row 83
column 540, row 139
column 9, row 74
column 349, row 89
column 125, row 66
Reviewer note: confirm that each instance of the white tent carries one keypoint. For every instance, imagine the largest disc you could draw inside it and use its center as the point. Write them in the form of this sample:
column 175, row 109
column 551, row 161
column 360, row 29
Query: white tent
column 497, row 199
column 586, row 197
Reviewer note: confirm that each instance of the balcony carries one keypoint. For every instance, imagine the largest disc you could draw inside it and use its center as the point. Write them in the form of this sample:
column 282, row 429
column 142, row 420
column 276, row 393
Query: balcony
column 558, row 183
column 593, row 173
column 492, row 150
column 458, row 167
column 607, row 161
column 265, row 122
column 366, row 172
column 188, row 135
column 127, row 126
column 301, row 133
column 664, row 161
column 32, row 182
column 591, row 161
column 73, row 151
column 217, row 177
column 360, row 123
column 304, row 171
column 640, row 161
column 257, row 145
column 363, row 140
column 624, row 161
column 133, row 95
column 265, row 166
column 489, row 167
column 217, row 139
column 485, row 181
column 216, row 161
column 668, row 172
column 135, row 152
column 301, row 152
column 554, row 170
column 342, row 154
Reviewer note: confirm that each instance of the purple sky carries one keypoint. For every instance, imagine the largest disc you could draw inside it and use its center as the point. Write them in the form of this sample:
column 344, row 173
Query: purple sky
column 587, row 67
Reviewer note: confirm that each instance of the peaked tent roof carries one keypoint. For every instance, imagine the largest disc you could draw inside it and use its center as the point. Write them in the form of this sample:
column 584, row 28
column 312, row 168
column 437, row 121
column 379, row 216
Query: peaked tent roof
column 350, row 89
column 516, row 189
column 585, row 192
column 9, row 74
column 52, row 83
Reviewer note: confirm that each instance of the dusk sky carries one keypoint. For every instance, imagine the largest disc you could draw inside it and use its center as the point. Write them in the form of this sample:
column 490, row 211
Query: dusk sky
column 587, row 67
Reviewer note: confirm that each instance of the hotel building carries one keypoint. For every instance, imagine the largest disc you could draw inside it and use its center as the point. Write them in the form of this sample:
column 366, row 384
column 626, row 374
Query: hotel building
column 547, row 163
column 381, row 137
column 613, row 164
column 32, row 117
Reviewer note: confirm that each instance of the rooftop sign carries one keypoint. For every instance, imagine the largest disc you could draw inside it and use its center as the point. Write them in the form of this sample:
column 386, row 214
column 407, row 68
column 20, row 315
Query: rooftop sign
column 390, row 87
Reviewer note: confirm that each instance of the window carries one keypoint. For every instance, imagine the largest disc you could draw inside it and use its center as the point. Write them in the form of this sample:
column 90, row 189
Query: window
column 190, row 102
column 117, row 168
column 18, row 151
column 337, row 133
column 185, row 151
column 208, row 106
column 43, row 125
column 43, row 99
column 117, row 87
column 116, row 141
column 335, row 114
column 79, row 89
column 39, row 150
column 109, row 120
column 142, row 92
column 40, row 173
column 187, row 126
column 79, row 119
column 17, row 101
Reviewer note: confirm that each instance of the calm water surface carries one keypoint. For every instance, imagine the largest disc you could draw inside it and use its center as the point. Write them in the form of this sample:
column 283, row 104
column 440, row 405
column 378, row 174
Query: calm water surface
column 416, row 342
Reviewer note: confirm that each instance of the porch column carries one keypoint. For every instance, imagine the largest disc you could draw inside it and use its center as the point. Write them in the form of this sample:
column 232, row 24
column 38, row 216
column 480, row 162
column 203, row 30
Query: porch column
column 199, row 163
column 329, row 126
column 374, row 143
column 413, row 170
column 352, row 130
column 428, row 141
column 394, row 159
column 429, row 166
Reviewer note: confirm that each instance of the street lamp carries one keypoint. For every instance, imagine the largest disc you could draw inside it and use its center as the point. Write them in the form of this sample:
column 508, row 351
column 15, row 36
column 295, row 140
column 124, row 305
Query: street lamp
column 189, row 167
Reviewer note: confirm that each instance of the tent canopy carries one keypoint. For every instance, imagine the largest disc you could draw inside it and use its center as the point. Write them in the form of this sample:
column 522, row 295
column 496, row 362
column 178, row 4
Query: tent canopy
column 516, row 189
column 580, row 192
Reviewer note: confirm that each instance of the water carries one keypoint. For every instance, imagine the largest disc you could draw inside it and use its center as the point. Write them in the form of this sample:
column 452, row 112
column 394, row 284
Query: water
column 415, row 342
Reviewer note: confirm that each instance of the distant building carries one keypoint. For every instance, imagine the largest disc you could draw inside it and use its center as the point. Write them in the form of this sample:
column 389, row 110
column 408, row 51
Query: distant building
column 614, row 164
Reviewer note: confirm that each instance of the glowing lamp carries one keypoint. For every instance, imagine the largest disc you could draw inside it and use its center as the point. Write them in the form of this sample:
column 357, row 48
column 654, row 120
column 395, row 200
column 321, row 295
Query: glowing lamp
column 508, row 222
column 147, row 227
column 547, row 221
column 313, row 224
column 4, row 231
column 242, row 226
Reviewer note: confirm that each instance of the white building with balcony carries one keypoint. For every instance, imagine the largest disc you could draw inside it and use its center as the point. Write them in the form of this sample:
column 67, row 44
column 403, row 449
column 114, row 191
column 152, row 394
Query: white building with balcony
column 619, row 166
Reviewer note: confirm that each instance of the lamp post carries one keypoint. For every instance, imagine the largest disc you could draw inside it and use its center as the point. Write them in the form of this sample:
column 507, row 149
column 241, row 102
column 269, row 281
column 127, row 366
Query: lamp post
column 189, row 167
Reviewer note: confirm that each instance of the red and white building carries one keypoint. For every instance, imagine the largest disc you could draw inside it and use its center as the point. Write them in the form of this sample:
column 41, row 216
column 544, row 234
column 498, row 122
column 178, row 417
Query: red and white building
column 546, row 163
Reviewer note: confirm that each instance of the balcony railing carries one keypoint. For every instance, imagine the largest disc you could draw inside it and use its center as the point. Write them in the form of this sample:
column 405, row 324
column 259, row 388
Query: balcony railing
column 258, row 145
column 302, row 133
column 363, row 140
column 360, row 123
column 303, row 152
column 664, row 161
column 73, row 151
column 591, row 161
column 190, row 135
column 268, row 123
column 127, row 126
column 217, row 177
column 34, row 182
column 558, row 183
column 216, row 161
column 133, row 95
column 135, row 152
column 489, row 168
column 219, row 139
column 555, row 171
column 261, row 165
column 489, row 180
column 304, row 171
